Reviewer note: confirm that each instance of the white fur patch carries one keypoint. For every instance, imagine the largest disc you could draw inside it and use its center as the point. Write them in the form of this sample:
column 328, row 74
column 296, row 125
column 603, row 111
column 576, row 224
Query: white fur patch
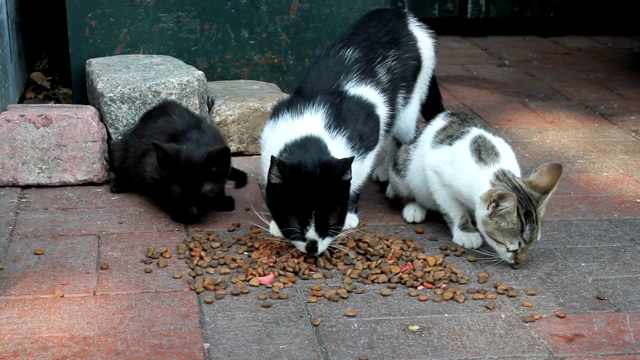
column 351, row 221
column 274, row 230
column 414, row 213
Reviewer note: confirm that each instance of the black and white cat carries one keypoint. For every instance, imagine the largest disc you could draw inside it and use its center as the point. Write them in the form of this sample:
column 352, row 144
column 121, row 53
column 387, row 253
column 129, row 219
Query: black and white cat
column 178, row 158
column 472, row 176
column 363, row 94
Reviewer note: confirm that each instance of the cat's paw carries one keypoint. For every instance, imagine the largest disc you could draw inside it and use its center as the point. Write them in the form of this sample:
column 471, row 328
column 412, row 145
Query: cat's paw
column 469, row 240
column 414, row 213
column 351, row 221
column 381, row 174
column 225, row 203
column 389, row 193
column 274, row 230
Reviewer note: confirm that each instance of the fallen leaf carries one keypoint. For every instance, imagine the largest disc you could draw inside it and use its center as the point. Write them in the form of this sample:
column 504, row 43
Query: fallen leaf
column 38, row 77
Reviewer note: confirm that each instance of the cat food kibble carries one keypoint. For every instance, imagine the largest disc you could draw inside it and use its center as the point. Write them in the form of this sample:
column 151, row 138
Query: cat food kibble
column 420, row 230
column 1, row 266
column 351, row 313
column 531, row 292
column 104, row 266
column 318, row 320
column 38, row 251
column 601, row 295
column 208, row 300
column 527, row 304
column 561, row 314
column 490, row 305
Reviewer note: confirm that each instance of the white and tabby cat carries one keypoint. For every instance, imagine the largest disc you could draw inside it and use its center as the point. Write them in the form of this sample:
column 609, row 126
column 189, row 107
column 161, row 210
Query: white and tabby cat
column 363, row 93
column 458, row 167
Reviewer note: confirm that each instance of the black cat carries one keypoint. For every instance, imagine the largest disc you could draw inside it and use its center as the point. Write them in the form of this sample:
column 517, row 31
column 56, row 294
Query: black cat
column 178, row 158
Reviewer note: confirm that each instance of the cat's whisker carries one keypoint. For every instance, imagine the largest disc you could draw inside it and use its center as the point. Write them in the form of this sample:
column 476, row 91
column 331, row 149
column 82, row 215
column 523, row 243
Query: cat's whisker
column 260, row 215
column 343, row 248
column 259, row 226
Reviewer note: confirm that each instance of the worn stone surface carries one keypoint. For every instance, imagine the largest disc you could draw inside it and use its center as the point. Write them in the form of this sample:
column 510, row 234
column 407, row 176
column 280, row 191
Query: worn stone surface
column 241, row 108
column 123, row 87
column 52, row 145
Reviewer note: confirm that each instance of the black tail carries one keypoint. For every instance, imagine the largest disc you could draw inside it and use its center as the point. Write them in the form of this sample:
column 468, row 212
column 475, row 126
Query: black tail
column 433, row 105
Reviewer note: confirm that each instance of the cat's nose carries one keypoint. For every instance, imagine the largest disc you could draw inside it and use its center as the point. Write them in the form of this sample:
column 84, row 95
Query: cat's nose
column 312, row 247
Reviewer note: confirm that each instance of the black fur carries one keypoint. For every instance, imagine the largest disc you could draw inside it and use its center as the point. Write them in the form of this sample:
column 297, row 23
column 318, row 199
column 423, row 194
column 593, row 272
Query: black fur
column 178, row 158
column 306, row 185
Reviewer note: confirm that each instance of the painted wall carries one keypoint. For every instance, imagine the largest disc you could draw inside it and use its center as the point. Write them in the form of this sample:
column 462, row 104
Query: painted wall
column 13, row 72
column 267, row 40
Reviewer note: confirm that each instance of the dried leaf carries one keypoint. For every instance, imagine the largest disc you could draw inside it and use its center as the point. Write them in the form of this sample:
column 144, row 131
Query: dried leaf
column 40, row 79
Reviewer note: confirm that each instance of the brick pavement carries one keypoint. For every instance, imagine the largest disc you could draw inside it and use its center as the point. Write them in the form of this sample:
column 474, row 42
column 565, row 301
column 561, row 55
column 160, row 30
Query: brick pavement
column 570, row 99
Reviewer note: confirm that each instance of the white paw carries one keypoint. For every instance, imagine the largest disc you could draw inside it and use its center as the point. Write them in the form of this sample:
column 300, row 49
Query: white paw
column 274, row 229
column 414, row 213
column 351, row 221
column 381, row 174
column 390, row 194
column 469, row 240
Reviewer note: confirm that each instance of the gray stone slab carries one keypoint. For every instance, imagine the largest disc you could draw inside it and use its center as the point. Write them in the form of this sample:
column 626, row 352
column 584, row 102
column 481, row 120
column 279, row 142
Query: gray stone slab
column 9, row 198
column 241, row 109
column 562, row 233
column 238, row 328
column 439, row 337
column 631, row 227
column 123, row 87
column 622, row 292
column 598, row 262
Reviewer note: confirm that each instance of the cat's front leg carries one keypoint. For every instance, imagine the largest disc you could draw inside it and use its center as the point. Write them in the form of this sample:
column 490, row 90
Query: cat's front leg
column 239, row 177
column 352, row 220
column 414, row 213
column 381, row 172
column 224, row 203
column 464, row 232
column 274, row 230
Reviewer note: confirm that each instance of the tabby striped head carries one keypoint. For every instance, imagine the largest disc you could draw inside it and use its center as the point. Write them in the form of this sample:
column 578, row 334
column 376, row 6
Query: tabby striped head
column 511, row 221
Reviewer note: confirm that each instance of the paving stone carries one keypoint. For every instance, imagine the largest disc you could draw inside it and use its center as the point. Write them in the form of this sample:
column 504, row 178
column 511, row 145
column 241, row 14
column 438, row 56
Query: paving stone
column 172, row 344
column 587, row 334
column 629, row 226
column 451, row 337
column 622, row 292
column 567, row 233
column 92, row 315
column 124, row 254
column 241, row 109
column 598, row 184
column 123, row 87
column 569, row 207
column 68, row 264
column 598, row 262
column 508, row 114
column 249, row 331
column 52, row 145
column 9, row 198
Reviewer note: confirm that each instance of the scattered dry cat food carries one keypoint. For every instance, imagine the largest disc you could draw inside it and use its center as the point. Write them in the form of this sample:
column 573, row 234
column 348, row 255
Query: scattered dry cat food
column 208, row 300
column 385, row 292
column 104, row 266
column 266, row 304
column 318, row 320
column 471, row 258
column 490, row 305
column 536, row 316
column 420, row 230
column 561, row 314
column 58, row 293
column 351, row 313
column 38, row 251
column 162, row 263
column 532, row 292
column 177, row 275
column 1, row 266
column 527, row 303
column 529, row 319
column 423, row 297
column 148, row 270
column 601, row 296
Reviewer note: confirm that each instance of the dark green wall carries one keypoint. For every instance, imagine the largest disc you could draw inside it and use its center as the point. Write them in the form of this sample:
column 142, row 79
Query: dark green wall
column 268, row 40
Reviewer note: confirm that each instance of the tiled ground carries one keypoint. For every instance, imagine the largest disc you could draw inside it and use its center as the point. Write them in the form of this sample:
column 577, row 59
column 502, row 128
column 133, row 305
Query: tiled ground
column 570, row 99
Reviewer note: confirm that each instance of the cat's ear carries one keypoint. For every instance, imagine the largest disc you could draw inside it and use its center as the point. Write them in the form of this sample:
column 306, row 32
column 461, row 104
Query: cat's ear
column 219, row 159
column 343, row 168
column 500, row 202
column 544, row 179
column 277, row 169
column 165, row 154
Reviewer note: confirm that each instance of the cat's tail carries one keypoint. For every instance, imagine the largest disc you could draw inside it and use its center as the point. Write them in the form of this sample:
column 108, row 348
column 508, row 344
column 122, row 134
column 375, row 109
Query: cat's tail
column 432, row 106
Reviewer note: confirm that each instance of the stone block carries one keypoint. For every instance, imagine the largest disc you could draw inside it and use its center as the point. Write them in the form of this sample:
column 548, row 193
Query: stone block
column 123, row 87
column 241, row 109
column 52, row 145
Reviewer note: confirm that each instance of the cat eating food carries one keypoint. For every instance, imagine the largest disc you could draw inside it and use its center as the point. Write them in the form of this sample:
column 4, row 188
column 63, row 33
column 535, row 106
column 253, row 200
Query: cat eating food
column 178, row 158
column 459, row 168
column 363, row 94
